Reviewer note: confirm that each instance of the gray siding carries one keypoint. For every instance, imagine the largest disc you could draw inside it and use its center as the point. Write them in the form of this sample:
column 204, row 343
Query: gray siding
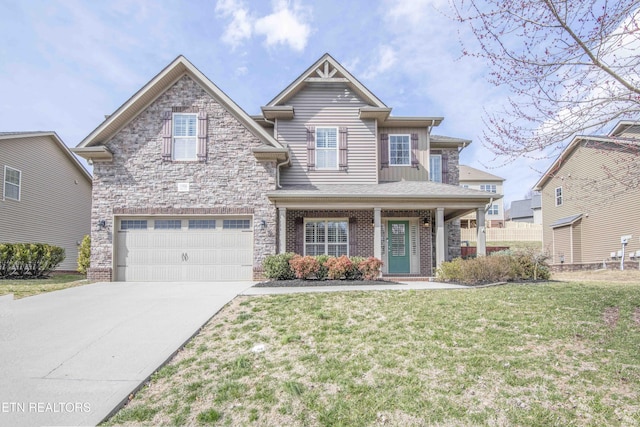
column 55, row 199
column 329, row 104
column 610, row 208
column 407, row 173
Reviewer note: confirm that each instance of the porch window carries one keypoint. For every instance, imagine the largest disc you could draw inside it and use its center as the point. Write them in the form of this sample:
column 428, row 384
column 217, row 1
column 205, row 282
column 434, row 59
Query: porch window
column 326, row 237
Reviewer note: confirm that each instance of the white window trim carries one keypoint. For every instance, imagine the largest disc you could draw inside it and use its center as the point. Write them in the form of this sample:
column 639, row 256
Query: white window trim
column 430, row 171
column 555, row 195
column 409, row 150
column 4, row 184
column 493, row 188
column 336, row 150
column 326, row 242
column 174, row 137
column 494, row 210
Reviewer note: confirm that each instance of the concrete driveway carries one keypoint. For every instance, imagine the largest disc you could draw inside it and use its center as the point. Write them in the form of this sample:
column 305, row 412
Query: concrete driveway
column 70, row 357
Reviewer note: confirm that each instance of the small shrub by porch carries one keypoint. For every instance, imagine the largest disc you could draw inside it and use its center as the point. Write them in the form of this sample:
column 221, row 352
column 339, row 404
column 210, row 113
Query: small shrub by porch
column 503, row 266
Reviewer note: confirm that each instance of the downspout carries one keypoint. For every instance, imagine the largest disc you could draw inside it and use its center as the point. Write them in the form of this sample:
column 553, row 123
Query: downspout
column 278, row 165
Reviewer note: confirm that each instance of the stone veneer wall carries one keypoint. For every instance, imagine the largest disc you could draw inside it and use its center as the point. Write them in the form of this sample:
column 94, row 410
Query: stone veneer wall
column 139, row 181
column 363, row 230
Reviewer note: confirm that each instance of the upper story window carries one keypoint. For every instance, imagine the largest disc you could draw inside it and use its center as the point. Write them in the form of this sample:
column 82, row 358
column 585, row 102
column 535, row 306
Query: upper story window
column 491, row 188
column 326, row 148
column 12, row 179
column 493, row 210
column 435, row 168
column 559, row 196
column 185, row 136
column 400, row 150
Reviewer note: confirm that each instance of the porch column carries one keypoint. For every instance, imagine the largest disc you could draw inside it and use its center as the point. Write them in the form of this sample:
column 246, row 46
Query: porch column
column 440, row 245
column 282, row 231
column 377, row 233
column 482, row 235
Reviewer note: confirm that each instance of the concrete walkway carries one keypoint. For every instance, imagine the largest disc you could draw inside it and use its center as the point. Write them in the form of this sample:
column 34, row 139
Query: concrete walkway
column 70, row 357
column 403, row 286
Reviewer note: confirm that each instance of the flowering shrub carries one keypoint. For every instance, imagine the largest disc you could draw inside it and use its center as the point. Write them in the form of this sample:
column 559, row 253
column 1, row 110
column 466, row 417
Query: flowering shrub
column 370, row 268
column 277, row 267
column 304, row 267
column 323, row 271
column 338, row 267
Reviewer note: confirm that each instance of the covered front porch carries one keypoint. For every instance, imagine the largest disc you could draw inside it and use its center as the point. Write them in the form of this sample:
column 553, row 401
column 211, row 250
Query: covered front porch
column 407, row 226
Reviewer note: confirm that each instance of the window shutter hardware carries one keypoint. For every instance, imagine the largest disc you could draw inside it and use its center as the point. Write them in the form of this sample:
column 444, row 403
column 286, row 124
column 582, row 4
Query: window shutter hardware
column 343, row 149
column 201, row 148
column 311, row 148
column 414, row 151
column 384, row 150
column 166, row 136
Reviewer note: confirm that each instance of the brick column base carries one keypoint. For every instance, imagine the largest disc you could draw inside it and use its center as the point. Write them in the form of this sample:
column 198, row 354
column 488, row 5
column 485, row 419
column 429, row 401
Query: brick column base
column 99, row 274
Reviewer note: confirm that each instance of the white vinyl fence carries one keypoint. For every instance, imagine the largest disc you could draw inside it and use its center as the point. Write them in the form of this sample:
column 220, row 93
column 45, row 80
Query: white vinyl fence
column 512, row 232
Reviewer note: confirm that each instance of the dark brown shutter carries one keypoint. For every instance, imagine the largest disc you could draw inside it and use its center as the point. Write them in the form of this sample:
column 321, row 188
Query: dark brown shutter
column 384, row 150
column 445, row 168
column 299, row 226
column 166, row 135
column 343, row 149
column 311, row 148
column 414, row 151
column 201, row 148
column 353, row 240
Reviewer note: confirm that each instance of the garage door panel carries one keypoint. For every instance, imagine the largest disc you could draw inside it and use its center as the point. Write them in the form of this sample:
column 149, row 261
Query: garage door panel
column 184, row 255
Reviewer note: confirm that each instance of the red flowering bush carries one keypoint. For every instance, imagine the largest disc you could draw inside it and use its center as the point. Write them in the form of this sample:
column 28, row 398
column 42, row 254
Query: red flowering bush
column 338, row 267
column 370, row 268
column 304, row 267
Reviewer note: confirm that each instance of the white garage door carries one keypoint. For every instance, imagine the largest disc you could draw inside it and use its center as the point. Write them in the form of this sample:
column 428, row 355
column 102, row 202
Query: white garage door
column 184, row 249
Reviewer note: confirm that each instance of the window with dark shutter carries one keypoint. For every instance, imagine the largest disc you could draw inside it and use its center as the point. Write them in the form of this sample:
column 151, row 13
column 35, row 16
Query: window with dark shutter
column 414, row 151
column 384, row 150
column 311, row 148
column 343, row 149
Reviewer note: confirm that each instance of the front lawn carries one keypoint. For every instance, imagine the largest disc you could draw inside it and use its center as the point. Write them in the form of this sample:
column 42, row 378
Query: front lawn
column 25, row 288
column 545, row 354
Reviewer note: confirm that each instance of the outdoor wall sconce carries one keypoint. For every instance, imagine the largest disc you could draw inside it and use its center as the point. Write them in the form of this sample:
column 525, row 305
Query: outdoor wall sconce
column 102, row 224
column 263, row 224
column 426, row 223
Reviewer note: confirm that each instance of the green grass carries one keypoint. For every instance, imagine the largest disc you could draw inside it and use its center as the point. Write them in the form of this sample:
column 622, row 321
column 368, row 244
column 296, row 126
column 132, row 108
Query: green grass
column 547, row 354
column 26, row 288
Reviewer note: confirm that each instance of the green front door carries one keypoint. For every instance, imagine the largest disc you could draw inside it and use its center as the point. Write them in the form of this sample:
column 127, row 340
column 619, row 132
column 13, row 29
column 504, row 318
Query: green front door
column 399, row 247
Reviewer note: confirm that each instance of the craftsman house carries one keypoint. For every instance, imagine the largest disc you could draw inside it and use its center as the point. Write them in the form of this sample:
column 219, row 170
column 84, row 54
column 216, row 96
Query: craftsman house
column 187, row 186
column 591, row 200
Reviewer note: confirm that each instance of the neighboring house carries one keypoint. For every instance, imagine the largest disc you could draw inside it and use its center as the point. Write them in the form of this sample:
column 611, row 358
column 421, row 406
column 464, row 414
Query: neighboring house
column 527, row 210
column 46, row 193
column 484, row 181
column 591, row 198
column 187, row 186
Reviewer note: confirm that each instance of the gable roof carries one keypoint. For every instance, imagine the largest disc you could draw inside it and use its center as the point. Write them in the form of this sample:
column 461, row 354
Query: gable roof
column 56, row 139
column 614, row 137
column 156, row 87
column 467, row 173
column 323, row 70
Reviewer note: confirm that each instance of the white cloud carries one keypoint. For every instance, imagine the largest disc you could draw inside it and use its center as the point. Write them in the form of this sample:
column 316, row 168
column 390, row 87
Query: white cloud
column 287, row 24
column 240, row 27
column 384, row 61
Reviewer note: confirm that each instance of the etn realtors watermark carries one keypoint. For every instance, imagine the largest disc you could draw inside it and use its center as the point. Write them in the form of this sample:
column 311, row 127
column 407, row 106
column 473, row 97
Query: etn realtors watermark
column 44, row 407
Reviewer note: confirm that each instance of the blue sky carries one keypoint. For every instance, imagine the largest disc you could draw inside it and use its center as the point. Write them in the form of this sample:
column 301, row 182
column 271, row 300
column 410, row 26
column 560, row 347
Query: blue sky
column 64, row 64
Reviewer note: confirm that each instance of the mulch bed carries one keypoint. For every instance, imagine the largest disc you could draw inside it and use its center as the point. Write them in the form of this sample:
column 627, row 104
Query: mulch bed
column 296, row 283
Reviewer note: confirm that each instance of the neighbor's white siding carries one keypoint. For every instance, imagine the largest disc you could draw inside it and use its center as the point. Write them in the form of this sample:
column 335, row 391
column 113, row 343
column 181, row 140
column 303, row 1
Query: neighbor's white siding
column 329, row 104
column 55, row 197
